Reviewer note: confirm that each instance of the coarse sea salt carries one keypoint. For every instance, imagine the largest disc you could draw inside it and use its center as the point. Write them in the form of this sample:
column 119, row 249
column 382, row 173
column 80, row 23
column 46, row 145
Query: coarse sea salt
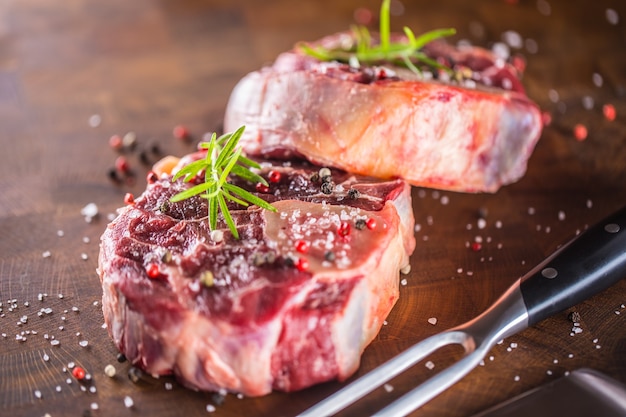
column 597, row 79
column 95, row 120
column 544, row 7
column 611, row 16
column 531, row 46
column 128, row 402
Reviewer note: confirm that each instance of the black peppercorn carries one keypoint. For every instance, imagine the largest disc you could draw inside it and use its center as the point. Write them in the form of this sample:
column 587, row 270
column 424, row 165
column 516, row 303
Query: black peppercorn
column 574, row 316
column 354, row 193
column 328, row 187
column 143, row 157
column 112, row 174
column 218, row 399
column 289, row 261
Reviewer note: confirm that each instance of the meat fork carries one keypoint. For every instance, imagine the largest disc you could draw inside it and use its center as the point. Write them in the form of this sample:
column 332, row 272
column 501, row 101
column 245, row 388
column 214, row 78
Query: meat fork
column 588, row 264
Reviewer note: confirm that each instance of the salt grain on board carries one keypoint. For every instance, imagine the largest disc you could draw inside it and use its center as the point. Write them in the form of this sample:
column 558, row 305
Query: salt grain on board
column 128, row 402
column 95, row 120
column 89, row 212
column 544, row 7
column 611, row 16
column 531, row 46
column 553, row 95
column 597, row 79
column 110, row 371
column 513, row 39
column 588, row 102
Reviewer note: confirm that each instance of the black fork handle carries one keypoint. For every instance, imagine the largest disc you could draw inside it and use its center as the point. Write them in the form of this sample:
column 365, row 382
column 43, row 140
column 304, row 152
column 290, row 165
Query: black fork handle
column 590, row 263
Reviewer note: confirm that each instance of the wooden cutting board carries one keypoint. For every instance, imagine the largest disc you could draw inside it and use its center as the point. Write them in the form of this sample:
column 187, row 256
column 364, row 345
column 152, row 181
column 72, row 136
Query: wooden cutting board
column 73, row 74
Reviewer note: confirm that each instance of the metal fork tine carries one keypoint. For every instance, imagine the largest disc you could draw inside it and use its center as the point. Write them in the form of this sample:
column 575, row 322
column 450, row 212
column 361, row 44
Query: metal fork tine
column 432, row 387
column 378, row 376
column 505, row 317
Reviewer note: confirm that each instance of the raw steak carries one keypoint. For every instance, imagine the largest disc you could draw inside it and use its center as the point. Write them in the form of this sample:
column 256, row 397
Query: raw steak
column 473, row 134
column 292, row 303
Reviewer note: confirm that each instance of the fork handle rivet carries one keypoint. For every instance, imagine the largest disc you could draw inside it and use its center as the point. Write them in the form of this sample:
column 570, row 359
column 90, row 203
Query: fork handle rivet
column 549, row 273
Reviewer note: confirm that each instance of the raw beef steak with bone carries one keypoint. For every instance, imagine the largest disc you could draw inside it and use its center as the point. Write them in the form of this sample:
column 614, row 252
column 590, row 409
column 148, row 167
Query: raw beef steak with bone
column 293, row 302
column 472, row 130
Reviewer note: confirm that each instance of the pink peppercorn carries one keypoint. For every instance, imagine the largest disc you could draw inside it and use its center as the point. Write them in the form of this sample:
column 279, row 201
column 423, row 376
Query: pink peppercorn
column 79, row 373
column 181, row 132
column 115, row 142
column 302, row 264
column 274, row 176
column 262, row 188
column 580, row 132
column 344, row 229
column 302, row 246
column 121, row 164
column 151, row 178
column 129, row 199
column 609, row 112
column 153, row 271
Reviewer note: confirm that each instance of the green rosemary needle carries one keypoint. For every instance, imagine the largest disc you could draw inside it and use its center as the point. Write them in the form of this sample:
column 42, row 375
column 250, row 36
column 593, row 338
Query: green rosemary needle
column 223, row 158
column 407, row 53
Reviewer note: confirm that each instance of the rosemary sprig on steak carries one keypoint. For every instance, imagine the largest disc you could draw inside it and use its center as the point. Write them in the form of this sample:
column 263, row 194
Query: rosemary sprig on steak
column 223, row 158
column 406, row 52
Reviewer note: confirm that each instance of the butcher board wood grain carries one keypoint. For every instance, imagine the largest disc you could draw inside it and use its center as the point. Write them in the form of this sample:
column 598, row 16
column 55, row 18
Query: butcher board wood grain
column 74, row 73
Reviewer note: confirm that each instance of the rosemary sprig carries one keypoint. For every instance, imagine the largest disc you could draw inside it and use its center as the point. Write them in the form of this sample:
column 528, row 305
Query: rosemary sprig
column 223, row 158
column 407, row 52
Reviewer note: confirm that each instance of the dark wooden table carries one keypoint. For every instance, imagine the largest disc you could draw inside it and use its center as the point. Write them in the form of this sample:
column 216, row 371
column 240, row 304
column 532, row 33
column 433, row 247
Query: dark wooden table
column 74, row 73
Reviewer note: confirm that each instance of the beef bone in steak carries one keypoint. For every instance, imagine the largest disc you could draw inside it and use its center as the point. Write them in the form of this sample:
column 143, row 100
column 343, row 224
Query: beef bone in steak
column 293, row 302
column 473, row 135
